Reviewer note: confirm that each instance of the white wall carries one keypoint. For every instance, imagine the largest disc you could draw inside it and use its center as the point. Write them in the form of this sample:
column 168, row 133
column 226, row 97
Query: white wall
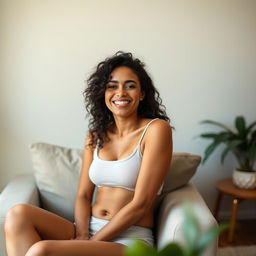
column 201, row 55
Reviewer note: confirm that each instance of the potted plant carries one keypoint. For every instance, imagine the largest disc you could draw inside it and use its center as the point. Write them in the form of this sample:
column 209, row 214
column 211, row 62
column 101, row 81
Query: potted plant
column 195, row 241
column 240, row 141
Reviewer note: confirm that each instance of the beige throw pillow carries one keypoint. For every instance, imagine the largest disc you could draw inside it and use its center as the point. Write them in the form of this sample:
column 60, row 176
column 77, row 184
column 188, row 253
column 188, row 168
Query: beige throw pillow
column 183, row 167
column 57, row 173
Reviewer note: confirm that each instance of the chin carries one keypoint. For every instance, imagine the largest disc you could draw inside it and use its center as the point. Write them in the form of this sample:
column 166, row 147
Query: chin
column 125, row 115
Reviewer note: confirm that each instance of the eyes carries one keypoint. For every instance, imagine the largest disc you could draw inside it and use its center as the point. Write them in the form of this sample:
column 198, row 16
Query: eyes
column 115, row 86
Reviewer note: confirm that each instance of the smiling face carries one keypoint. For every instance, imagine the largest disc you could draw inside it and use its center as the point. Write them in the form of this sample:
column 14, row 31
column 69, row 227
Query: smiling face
column 123, row 92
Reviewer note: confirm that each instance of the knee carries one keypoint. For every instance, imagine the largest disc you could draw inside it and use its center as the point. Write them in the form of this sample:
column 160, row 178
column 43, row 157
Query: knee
column 15, row 217
column 41, row 248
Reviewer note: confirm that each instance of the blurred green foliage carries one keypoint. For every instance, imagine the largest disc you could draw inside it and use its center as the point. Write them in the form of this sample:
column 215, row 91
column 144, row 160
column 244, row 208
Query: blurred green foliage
column 195, row 241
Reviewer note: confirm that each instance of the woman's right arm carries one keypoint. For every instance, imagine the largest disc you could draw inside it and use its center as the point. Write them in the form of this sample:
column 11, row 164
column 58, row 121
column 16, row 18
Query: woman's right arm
column 84, row 195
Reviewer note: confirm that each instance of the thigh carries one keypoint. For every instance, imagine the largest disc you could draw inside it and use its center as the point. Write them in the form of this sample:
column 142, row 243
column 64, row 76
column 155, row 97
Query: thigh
column 47, row 224
column 135, row 232
column 77, row 248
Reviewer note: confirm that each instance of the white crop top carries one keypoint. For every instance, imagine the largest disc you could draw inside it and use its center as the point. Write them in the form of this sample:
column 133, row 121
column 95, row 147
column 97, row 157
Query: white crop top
column 118, row 173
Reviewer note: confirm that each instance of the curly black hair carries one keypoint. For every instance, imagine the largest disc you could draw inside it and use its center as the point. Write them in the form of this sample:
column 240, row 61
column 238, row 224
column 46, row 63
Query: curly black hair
column 94, row 95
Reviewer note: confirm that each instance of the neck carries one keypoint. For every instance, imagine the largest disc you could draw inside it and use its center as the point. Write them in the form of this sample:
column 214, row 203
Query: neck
column 124, row 126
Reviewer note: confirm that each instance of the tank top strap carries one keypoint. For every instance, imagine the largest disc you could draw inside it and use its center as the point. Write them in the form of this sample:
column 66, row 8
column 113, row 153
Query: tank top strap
column 143, row 133
column 95, row 152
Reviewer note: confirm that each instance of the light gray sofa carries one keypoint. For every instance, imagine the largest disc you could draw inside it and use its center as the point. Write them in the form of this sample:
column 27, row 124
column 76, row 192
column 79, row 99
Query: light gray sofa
column 54, row 183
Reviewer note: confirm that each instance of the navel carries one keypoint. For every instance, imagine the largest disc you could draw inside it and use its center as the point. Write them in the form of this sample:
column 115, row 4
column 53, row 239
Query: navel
column 104, row 213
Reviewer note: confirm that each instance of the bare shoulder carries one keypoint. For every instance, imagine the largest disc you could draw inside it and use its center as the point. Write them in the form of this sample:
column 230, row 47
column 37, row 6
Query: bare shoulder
column 159, row 134
column 159, row 127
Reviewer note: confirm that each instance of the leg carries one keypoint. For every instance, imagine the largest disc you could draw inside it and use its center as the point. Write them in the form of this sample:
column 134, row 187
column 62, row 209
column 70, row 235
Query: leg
column 217, row 205
column 25, row 225
column 76, row 248
column 233, row 220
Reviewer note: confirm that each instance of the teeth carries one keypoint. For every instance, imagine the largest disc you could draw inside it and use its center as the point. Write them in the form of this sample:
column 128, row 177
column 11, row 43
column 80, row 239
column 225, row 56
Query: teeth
column 121, row 102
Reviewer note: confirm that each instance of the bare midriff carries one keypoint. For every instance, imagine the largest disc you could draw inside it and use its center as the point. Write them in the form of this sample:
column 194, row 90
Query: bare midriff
column 110, row 200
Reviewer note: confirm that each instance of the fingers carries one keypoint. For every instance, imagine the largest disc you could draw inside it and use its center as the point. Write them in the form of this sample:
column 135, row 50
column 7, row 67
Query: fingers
column 81, row 237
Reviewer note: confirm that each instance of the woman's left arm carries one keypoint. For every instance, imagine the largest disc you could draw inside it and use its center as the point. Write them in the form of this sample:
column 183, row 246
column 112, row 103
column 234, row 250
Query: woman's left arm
column 155, row 164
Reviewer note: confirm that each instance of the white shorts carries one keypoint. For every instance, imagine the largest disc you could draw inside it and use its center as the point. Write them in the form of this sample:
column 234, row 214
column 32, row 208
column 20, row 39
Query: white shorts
column 126, row 237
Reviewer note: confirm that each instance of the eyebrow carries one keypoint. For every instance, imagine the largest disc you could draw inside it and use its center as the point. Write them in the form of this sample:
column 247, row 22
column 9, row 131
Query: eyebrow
column 127, row 81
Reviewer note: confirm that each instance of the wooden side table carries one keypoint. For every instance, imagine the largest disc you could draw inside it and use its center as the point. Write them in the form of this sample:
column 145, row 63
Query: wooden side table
column 227, row 187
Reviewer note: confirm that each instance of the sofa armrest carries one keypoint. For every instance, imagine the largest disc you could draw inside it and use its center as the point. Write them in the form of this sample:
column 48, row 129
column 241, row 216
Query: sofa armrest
column 21, row 190
column 170, row 217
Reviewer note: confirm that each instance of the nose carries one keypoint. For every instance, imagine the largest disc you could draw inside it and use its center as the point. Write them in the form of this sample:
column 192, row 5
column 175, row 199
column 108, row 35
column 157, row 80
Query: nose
column 121, row 91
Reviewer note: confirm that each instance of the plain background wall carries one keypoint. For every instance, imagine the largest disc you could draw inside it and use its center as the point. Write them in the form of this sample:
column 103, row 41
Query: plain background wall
column 201, row 55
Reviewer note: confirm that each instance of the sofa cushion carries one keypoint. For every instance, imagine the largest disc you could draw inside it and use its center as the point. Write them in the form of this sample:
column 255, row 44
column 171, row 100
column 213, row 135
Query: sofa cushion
column 182, row 169
column 56, row 174
column 57, row 171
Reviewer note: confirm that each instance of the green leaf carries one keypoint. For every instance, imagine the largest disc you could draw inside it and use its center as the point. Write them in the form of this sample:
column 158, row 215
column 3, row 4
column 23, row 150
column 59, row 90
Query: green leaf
column 190, row 227
column 225, row 136
column 240, row 126
column 208, row 236
column 253, row 137
column 244, row 150
column 172, row 249
column 209, row 150
column 250, row 126
column 208, row 135
column 229, row 147
column 221, row 136
column 251, row 154
column 217, row 124
column 138, row 248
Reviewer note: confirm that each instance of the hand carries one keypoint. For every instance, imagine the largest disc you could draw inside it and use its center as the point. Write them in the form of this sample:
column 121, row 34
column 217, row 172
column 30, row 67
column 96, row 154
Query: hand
column 81, row 237
column 92, row 238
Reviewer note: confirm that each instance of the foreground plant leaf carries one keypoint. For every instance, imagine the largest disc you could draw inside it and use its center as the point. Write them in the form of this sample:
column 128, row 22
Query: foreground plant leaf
column 207, row 237
column 195, row 242
column 190, row 228
column 172, row 249
column 139, row 248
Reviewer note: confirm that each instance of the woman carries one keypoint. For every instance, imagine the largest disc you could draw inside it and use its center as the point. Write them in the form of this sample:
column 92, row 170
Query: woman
column 127, row 154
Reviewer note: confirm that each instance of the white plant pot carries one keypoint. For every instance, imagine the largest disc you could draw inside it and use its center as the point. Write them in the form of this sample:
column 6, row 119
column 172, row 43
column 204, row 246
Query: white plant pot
column 245, row 180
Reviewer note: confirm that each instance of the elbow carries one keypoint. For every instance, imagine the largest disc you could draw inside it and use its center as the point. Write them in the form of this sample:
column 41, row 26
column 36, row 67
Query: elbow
column 85, row 195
